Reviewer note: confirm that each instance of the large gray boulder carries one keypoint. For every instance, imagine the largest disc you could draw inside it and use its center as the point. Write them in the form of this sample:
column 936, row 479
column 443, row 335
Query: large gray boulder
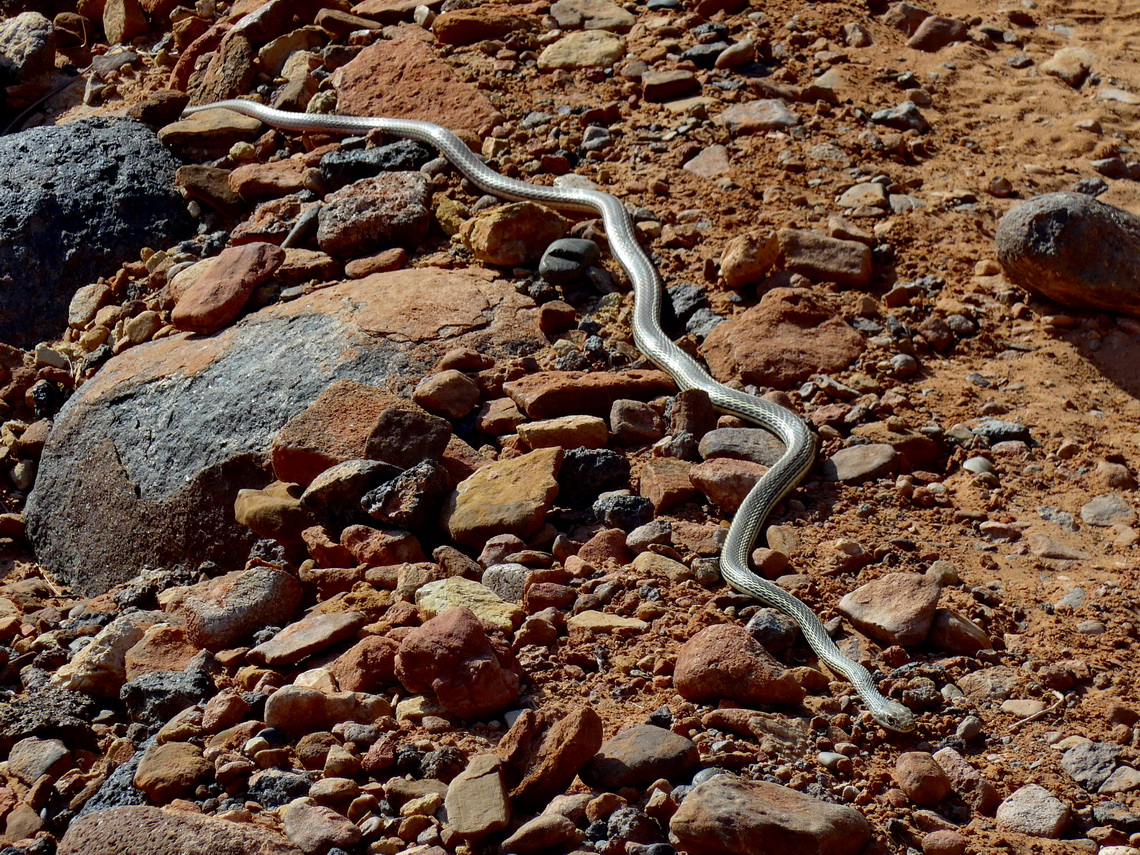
column 1073, row 249
column 145, row 460
column 75, row 200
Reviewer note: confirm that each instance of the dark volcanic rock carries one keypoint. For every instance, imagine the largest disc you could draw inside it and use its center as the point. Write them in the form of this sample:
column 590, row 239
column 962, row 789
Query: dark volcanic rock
column 75, row 200
column 145, row 461
column 1073, row 249
column 157, row 696
column 119, row 789
column 45, row 712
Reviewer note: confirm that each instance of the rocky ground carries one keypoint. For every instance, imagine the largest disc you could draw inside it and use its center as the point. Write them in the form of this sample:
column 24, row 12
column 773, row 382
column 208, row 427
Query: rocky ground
column 341, row 514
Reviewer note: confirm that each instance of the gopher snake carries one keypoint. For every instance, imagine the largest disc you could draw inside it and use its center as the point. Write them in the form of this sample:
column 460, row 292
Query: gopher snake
column 661, row 350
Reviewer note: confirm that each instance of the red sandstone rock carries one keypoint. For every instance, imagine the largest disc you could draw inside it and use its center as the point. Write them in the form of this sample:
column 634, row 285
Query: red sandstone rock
column 725, row 662
column 219, row 294
column 451, row 656
column 404, row 79
column 783, row 340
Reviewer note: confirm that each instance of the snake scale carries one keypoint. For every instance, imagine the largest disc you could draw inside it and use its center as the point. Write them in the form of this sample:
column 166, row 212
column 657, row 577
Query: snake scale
column 651, row 339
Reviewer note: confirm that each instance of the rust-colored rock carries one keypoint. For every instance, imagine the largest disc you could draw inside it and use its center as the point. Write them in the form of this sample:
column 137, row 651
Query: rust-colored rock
column 451, row 656
column 508, row 496
column 467, row 26
column 220, row 293
column 784, row 339
column 403, row 79
column 725, row 662
column 340, row 424
column 565, row 393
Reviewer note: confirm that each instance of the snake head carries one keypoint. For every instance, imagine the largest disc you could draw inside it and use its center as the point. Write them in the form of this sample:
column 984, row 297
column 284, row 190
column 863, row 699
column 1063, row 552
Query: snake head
column 895, row 716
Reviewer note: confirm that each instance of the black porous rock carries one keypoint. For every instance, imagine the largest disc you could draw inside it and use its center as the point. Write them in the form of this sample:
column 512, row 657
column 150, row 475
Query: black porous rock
column 119, row 788
column 343, row 167
column 586, row 472
column 275, row 787
column 624, row 512
column 154, row 698
column 46, row 712
column 75, row 200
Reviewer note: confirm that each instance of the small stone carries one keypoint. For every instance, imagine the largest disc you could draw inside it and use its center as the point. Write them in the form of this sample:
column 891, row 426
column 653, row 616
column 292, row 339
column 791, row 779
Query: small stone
column 748, row 258
column 375, row 213
column 858, row 464
column 905, row 117
column 726, row 481
column 867, row 194
column 943, row 842
column 1107, row 510
column 1124, row 779
column 274, row 513
column 411, row 500
column 307, row 636
column 545, row 833
column 476, row 800
column 510, row 495
column 123, row 21
column 565, row 260
column 754, row 444
column 919, row 776
column 710, row 163
column 220, row 293
column 635, row 423
column 225, row 610
column 32, row 758
column 315, row 829
column 856, row 36
column 957, row 635
column 158, row 831
column 906, row 17
column 169, row 771
column 1090, row 763
column 745, row 817
column 438, row 597
column 896, row 609
column 583, row 49
column 584, row 626
column 725, row 662
column 758, row 117
column 566, row 432
column 1072, row 249
column 592, row 15
column 665, row 482
column 1072, row 65
column 297, row 709
column 936, row 32
column 452, row 656
column 514, row 234
column 637, row 756
column 824, row 258
column 451, row 394
column 561, row 751
column 1035, row 811
column 548, row 394
column 661, row 86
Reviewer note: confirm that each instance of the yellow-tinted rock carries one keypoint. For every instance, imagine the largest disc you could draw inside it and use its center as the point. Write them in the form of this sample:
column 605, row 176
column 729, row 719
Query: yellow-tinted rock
column 514, row 234
column 505, row 497
column 437, row 597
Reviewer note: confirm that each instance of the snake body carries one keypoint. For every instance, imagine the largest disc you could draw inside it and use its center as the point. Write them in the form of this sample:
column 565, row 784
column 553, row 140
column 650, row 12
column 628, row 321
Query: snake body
column 651, row 339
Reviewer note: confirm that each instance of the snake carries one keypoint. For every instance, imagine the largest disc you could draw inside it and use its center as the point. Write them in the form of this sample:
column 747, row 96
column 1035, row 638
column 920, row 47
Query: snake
column 651, row 339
